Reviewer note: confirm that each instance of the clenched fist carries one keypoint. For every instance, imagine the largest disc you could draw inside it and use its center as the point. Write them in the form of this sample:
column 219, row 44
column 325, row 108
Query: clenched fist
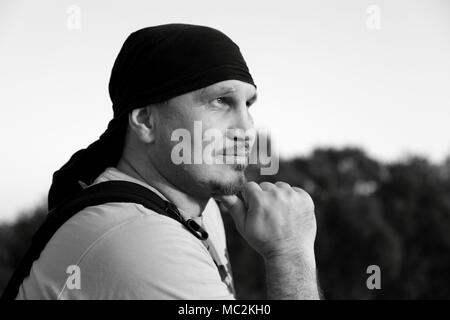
column 275, row 219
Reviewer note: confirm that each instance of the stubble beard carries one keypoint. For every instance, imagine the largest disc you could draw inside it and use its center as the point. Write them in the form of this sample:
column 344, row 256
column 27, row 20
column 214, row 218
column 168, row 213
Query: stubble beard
column 219, row 187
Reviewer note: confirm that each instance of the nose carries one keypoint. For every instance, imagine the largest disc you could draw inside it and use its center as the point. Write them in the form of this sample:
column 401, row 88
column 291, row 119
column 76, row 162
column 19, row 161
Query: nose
column 243, row 119
column 242, row 128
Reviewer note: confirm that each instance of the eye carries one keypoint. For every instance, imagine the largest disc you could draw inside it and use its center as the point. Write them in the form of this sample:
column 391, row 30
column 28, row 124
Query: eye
column 221, row 100
column 250, row 102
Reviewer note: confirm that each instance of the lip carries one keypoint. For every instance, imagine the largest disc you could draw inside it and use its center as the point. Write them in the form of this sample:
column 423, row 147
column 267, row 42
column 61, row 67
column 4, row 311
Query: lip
column 234, row 152
column 234, row 155
column 235, row 159
column 243, row 153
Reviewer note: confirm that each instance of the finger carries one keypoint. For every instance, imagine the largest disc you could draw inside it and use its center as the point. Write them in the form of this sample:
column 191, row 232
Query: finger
column 266, row 185
column 306, row 196
column 283, row 185
column 249, row 192
column 300, row 190
column 252, row 186
column 228, row 201
column 235, row 207
column 221, row 206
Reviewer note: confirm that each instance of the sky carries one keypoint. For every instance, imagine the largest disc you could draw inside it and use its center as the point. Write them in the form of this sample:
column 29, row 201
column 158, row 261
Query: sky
column 371, row 74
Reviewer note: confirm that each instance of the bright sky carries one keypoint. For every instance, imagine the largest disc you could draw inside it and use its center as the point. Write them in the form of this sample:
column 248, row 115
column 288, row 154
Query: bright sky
column 325, row 77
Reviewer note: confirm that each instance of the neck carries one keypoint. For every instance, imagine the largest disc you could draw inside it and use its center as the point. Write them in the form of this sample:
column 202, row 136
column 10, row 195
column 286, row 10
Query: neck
column 188, row 205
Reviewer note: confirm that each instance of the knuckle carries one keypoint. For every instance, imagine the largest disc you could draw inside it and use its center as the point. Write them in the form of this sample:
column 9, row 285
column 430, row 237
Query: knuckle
column 276, row 193
column 282, row 184
column 266, row 185
column 299, row 190
column 251, row 185
column 305, row 198
column 250, row 190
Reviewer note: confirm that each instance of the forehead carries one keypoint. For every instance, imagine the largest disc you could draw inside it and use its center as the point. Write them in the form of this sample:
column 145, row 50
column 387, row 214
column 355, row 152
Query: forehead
column 228, row 87
column 240, row 89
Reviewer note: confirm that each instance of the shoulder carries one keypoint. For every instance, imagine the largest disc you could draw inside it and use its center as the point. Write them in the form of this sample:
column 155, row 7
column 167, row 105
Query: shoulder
column 120, row 230
column 140, row 254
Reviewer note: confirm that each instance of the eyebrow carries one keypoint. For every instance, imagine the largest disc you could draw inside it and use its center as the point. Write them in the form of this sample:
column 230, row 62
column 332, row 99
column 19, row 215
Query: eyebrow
column 227, row 90
column 253, row 98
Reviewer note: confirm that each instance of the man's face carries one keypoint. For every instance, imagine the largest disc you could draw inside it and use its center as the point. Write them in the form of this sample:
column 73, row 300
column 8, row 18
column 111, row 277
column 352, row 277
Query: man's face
column 222, row 108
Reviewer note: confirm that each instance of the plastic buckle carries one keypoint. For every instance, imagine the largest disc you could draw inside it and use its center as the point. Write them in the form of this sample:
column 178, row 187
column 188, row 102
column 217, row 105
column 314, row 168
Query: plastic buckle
column 190, row 224
column 172, row 210
column 195, row 229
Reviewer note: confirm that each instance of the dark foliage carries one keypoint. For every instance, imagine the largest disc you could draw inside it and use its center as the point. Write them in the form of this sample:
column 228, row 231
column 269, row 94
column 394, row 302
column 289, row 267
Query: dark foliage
column 396, row 216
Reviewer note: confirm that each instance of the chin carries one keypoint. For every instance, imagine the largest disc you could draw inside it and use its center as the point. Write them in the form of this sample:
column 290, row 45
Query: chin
column 227, row 184
column 215, row 180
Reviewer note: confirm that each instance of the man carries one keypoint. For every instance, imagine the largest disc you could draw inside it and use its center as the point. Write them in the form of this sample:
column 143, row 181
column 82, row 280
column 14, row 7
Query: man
column 164, row 79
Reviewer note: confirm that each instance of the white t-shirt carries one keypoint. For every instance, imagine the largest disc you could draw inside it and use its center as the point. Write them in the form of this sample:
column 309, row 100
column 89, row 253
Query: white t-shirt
column 126, row 251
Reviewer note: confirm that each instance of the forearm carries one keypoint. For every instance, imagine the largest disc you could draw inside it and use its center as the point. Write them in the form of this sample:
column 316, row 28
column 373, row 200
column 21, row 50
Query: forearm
column 291, row 277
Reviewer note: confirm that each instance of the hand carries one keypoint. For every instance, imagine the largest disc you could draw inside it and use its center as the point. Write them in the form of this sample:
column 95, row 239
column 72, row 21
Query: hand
column 275, row 219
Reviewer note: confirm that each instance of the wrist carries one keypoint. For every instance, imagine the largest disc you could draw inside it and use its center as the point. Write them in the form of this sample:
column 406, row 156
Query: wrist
column 291, row 275
column 303, row 256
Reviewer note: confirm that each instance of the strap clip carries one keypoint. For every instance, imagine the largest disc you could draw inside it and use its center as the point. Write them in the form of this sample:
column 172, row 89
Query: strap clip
column 196, row 230
column 191, row 225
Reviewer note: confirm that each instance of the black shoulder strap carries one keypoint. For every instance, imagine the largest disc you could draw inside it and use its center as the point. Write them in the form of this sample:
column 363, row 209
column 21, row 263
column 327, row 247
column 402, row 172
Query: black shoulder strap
column 101, row 193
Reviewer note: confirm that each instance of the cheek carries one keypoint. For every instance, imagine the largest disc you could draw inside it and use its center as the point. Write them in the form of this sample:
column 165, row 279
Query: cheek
column 167, row 123
column 208, row 135
column 196, row 121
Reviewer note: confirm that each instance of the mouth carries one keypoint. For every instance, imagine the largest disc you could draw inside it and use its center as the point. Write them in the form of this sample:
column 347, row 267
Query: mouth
column 234, row 156
column 242, row 150
column 237, row 154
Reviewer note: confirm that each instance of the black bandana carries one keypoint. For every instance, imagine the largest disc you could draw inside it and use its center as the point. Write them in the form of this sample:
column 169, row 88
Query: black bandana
column 154, row 65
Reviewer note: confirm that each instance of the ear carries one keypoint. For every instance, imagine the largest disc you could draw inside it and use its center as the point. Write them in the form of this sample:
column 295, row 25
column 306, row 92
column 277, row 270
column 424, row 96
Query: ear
column 142, row 123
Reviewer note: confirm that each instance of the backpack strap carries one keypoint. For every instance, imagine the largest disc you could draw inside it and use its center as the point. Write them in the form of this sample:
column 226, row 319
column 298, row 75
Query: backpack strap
column 98, row 194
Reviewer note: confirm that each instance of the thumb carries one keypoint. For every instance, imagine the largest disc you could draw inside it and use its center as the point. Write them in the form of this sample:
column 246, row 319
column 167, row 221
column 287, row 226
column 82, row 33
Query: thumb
column 234, row 206
column 228, row 201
